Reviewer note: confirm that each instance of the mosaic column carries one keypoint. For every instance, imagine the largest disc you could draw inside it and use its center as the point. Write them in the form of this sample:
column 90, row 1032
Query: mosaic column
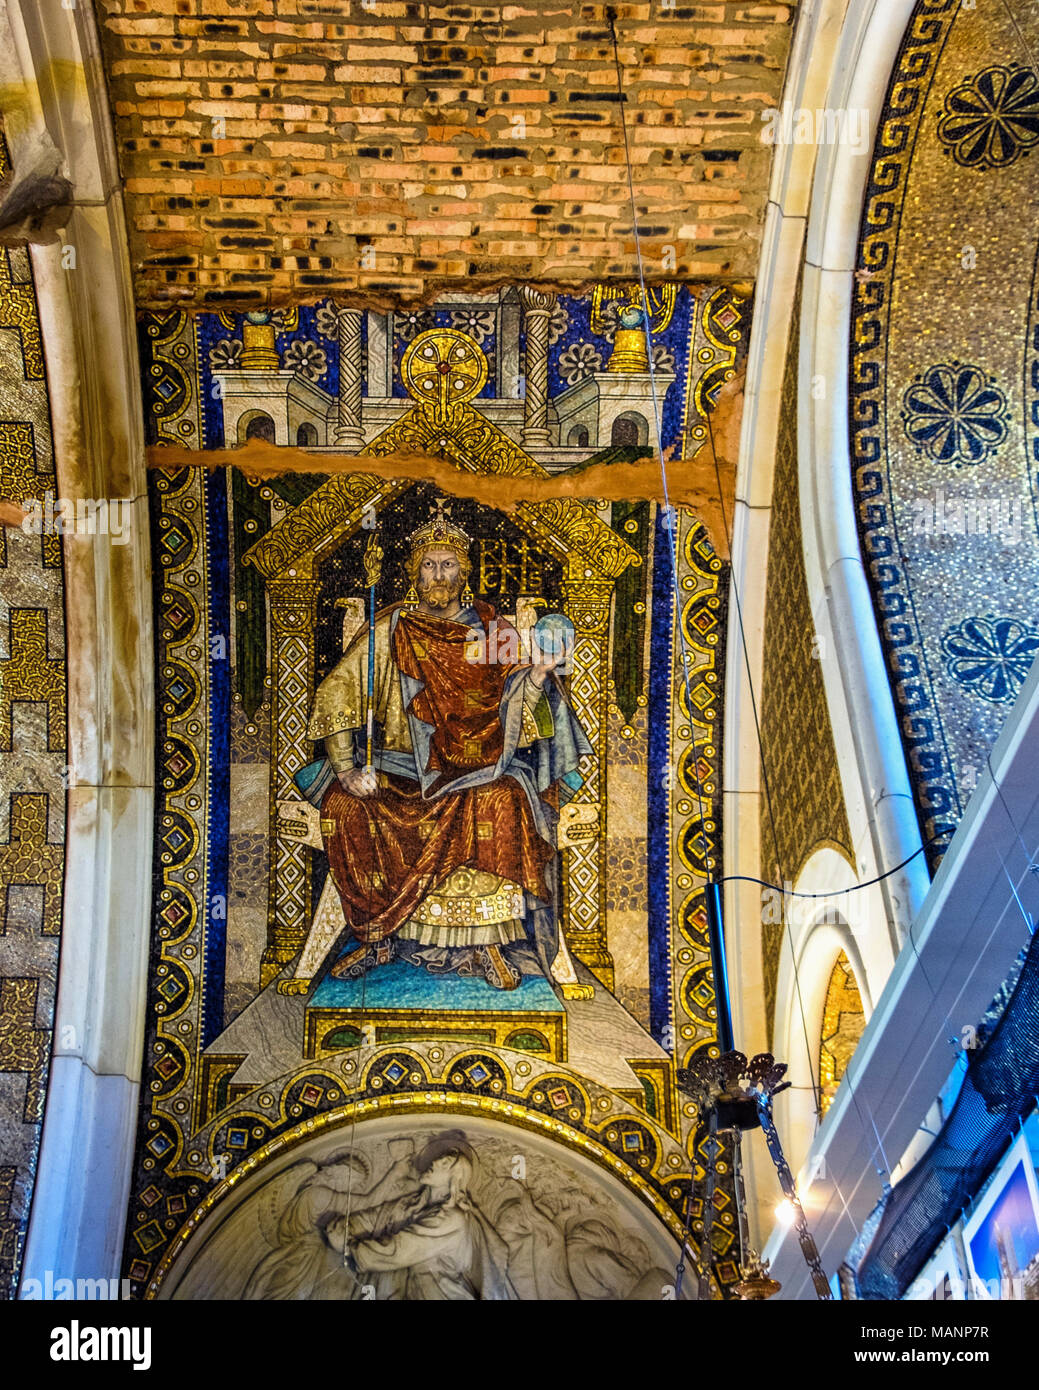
column 293, row 599
column 584, row 873
column 537, row 307
column 348, row 425
column 258, row 350
column 380, row 366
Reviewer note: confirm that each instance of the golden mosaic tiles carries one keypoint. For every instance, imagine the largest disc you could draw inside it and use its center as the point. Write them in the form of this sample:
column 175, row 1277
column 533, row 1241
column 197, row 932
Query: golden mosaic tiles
column 797, row 738
column 843, row 1022
column 33, row 761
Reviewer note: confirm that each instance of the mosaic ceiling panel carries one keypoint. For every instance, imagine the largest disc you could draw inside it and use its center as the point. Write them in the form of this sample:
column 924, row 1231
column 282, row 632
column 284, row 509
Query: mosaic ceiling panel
column 504, row 916
column 796, row 733
column 945, row 391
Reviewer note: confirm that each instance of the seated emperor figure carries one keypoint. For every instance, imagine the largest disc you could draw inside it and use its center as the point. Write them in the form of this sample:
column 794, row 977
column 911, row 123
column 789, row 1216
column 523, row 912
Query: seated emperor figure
column 444, row 850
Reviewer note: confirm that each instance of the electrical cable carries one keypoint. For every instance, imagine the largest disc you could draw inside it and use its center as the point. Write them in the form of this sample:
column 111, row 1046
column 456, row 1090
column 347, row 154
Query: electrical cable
column 672, row 529
column 869, row 882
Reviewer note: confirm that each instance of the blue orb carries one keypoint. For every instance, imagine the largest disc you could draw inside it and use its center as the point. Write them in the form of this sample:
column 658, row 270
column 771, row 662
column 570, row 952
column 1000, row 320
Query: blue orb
column 554, row 635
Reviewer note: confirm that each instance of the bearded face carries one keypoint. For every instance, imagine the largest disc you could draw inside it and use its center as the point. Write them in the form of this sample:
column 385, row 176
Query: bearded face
column 440, row 580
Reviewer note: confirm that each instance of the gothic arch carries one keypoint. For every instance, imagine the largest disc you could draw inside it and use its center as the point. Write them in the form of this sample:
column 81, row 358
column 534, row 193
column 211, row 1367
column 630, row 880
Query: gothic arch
column 592, row 555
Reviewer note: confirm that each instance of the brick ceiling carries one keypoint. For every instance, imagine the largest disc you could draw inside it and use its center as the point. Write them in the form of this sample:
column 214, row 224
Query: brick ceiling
column 280, row 150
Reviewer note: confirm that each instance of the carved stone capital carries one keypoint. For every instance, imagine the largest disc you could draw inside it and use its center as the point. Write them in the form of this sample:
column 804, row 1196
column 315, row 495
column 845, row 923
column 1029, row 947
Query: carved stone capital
column 294, row 605
column 537, row 301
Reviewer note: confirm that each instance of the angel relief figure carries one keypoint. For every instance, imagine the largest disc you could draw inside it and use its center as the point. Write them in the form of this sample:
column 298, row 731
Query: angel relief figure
column 417, row 1234
column 439, row 1224
column 447, row 759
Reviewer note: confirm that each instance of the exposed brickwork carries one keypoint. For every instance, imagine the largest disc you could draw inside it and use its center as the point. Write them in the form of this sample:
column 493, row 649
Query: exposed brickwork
column 280, row 149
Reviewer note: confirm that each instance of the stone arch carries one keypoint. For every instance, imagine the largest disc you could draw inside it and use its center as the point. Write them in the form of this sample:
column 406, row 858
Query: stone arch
column 815, row 931
column 363, row 1134
column 841, row 59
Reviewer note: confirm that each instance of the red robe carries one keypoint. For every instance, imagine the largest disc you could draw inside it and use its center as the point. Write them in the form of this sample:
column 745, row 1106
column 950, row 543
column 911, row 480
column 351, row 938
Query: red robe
column 388, row 851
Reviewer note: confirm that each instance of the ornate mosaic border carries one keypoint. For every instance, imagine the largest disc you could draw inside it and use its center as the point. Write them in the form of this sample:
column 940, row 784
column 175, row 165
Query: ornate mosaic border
column 922, row 732
column 432, row 1077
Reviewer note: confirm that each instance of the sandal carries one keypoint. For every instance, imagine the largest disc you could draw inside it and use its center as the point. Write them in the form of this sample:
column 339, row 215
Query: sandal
column 352, row 967
column 497, row 971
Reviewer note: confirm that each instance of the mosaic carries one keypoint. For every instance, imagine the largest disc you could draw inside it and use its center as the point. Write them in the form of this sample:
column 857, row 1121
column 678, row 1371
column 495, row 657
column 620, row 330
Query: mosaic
column 843, row 1021
column 439, row 777
column 793, row 696
column 33, row 774
column 944, row 404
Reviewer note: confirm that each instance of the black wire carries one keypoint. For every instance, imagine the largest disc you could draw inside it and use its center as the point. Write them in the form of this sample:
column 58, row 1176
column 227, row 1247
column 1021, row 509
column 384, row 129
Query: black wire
column 816, row 1085
column 746, row 878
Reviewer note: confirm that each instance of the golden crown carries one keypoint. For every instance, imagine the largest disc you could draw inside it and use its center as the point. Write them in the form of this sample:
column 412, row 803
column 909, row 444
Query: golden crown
column 441, row 530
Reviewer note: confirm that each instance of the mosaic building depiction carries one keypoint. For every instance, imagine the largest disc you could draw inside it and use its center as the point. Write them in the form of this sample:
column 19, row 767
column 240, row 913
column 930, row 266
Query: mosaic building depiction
column 518, row 709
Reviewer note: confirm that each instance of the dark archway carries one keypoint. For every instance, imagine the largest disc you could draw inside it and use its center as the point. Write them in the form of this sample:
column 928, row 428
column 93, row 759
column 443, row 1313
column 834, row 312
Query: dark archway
column 260, row 427
column 627, row 431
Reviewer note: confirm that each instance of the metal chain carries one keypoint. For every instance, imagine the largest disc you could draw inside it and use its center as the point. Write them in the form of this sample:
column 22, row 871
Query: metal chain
column 786, row 1181
column 707, row 1238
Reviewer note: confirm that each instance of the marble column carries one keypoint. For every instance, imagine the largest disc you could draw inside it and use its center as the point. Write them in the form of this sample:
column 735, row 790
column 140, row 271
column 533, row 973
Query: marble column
column 508, row 368
column 348, row 425
column 380, row 361
column 537, row 310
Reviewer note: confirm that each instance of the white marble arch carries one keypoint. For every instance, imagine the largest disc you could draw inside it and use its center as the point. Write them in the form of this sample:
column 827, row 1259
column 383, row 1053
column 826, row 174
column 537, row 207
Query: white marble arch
column 54, row 94
column 816, row 931
column 570, row 1216
column 842, row 58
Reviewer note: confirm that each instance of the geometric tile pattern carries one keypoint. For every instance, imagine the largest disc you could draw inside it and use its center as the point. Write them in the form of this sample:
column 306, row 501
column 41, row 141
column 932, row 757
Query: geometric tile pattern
column 33, row 773
column 806, row 812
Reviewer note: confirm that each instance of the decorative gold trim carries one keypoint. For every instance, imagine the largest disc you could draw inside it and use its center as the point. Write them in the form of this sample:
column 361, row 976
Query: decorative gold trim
column 421, row 1024
column 337, row 508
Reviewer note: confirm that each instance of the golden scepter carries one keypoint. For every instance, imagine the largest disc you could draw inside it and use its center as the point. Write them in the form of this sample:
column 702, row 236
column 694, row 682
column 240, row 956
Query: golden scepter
column 372, row 570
